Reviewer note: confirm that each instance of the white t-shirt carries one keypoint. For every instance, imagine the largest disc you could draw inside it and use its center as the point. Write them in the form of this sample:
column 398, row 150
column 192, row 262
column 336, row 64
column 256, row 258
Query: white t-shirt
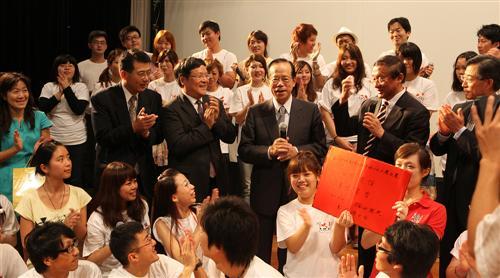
column 425, row 91
column 9, row 226
column 453, row 98
column 225, row 57
column 85, row 269
column 11, row 263
column 167, row 90
column 164, row 267
column 455, row 251
column 240, row 97
column 99, row 234
column 99, row 87
column 486, row 245
column 225, row 95
column 425, row 60
column 256, row 269
column 188, row 223
column 90, row 72
column 329, row 96
column 68, row 128
column 330, row 68
column 314, row 259
column 308, row 59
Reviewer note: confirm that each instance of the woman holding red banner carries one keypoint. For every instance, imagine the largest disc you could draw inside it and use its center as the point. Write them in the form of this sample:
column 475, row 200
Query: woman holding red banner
column 416, row 206
column 313, row 238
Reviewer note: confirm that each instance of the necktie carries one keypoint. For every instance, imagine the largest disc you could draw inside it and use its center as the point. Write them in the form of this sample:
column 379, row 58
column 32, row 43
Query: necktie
column 381, row 116
column 281, row 114
column 132, row 107
column 199, row 108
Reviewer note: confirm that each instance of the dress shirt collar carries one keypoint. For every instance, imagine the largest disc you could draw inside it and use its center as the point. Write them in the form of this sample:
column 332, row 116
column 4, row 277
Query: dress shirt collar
column 288, row 105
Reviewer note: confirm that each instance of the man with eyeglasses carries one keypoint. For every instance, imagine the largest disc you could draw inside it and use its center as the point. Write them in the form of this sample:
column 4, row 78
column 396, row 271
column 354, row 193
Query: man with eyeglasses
column 456, row 138
column 134, row 248
column 384, row 122
column 273, row 133
column 193, row 124
column 406, row 250
column 130, row 37
column 53, row 251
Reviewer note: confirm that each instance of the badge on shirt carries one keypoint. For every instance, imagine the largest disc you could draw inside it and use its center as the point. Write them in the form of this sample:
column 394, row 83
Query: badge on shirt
column 416, row 218
column 325, row 226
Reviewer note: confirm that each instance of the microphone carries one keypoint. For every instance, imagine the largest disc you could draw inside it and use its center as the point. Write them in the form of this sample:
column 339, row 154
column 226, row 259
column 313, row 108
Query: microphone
column 240, row 74
column 283, row 129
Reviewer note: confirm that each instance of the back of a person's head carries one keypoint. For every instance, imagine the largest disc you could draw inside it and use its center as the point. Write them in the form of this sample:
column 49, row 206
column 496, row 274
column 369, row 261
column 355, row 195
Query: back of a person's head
column 45, row 241
column 403, row 21
column 231, row 225
column 122, row 238
column 488, row 67
column 415, row 247
column 490, row 32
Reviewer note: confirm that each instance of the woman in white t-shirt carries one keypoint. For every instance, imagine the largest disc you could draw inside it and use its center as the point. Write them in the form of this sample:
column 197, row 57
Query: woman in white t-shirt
column 312, row 238
column 54, row 201
column 110, row 76
column 257, row 45
column 116, row 202
column 348, row 82
column 423, row 89
column 174, row 216
column 8, row 222
column 304, row 88
column 457, row 95
column 256, row 91
column 168, row 88
column 64, row 100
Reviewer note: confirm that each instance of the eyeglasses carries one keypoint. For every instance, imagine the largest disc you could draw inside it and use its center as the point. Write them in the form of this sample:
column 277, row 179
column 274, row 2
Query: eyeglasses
column 200, row 76
column 379, row 79
column 99, row 42
column 469, row 78
column 129, row 38
column 70, row 248
column 284, row 79
column 149, row 241
column 382, row 249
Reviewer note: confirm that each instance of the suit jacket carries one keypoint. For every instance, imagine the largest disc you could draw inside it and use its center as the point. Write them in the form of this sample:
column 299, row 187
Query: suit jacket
column 408, row 121
column 192, row 145
column 115, row 138
column 270, row 185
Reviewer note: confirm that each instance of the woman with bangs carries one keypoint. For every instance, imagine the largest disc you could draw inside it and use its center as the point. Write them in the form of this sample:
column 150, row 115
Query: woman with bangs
column 110, row 76
column 257, row 45
column 350, row 84
column 116, row 202
column 313, row 238
column 304, row 88
column 163, row 41
column 64, row 100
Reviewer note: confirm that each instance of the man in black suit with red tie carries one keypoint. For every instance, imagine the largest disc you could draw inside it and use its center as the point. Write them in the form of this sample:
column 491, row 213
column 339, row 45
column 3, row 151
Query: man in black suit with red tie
column 384, row 123
column 299, row 122
column 194, row 123
column 125, row 120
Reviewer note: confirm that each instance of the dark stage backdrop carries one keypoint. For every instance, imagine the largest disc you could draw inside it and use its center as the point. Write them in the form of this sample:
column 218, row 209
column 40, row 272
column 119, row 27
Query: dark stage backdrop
column 34, row 32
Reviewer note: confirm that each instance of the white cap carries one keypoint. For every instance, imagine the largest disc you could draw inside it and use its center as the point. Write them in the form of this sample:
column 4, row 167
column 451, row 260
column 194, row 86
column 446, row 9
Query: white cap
column 345, row 31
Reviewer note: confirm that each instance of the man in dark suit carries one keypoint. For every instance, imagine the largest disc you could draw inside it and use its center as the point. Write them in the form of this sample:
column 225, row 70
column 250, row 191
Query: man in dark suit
column 125, row 123
column 456, row 138
column 193, row 124
column 262, row 146
column 384, row 123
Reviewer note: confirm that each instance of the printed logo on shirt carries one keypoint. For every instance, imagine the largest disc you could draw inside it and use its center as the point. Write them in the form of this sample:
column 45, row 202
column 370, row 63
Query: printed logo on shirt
column 416, row 218
column 325, row 226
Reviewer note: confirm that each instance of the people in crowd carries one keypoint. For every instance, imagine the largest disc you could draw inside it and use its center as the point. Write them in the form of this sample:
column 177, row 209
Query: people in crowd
column 304, row 88
column 457, row 94
column 175, row 217
column 313, row 238
column 455, row 137
column 54, row 200
column 167, row 86
column 64, row 100
column 488, row 39
column 423, row 89
column 126, row 123
column 194, row 123
column 11, row 263
column 407, row 249
column 8, row 222
column 348, row 80
column 163, row 41
column 53, row 251
column 23, row 128
column 116, row 202
column 484, row 216
column 130, row 38
column 257, row 45
column 110, row 76
column 229, row 237
column 304, row 47
column 210, row 37
column 300, row 126
column 91, row 68
column 381, row 125
column 134, row 248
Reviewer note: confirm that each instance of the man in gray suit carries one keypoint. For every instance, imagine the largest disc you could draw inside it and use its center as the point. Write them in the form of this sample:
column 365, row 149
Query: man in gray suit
column 274, row 132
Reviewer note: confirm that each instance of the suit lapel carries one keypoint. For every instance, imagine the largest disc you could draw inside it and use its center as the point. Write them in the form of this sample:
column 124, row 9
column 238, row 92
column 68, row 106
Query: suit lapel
column 295, row 119
column 395, row 114
column 188, row 108
column 269, row 118
column 121, row 102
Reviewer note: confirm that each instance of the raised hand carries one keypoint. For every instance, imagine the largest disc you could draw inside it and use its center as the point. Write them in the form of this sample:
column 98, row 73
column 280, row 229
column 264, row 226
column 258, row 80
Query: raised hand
column 143, row 122
column 316, row 51
column 18, row 142
column 488, row 132
column 305, row 217
column 72, row 218
column 347, row 85
column 347, row 267
column 345, row 219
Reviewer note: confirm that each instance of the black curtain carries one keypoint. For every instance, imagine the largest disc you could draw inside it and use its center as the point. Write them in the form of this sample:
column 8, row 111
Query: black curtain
column 33, row 33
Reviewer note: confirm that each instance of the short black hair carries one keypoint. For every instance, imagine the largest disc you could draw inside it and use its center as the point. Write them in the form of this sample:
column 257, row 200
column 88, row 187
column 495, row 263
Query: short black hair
column 45, row 241
column 64, row 59
column 122, row 239
column 394, row 64
column 231, row 225
column 126, row 30
column 135, row 55
column 414, row 246
column 490, row 32
column 411, row 51
column 43, row 155
column 185, row 67
column 282, row 60
column 97, row 33
column 403, row 21
column 488, row 67
column 457, row 83
column 214, row 26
